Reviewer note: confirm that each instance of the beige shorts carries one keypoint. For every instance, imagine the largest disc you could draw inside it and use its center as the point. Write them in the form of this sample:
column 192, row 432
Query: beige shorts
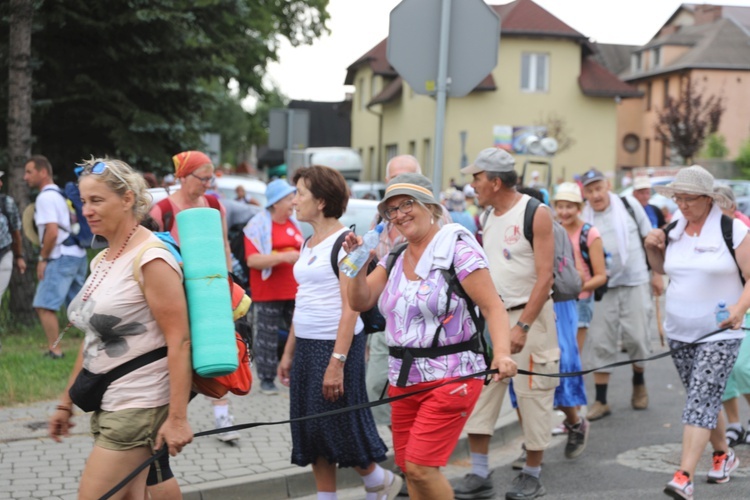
column 535, row 395
column 127, row 429
column 623, row 310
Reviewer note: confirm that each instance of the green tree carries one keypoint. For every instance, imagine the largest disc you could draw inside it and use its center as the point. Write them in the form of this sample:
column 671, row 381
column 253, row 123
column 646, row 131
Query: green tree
column 716, row 146
column 137, row 79
column 743, row 158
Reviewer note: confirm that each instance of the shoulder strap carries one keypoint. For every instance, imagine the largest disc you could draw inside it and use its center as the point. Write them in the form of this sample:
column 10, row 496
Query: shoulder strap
column 4, row 207
column 392, row 256
column 668, row 228
column 213, row 202
column 583, row 243
column 528, row 220
column 139, row 257
column 727, row 231
column 630, row 210
column 485, row 216
column 167, row 215
column 335, row 252
column 134, row 364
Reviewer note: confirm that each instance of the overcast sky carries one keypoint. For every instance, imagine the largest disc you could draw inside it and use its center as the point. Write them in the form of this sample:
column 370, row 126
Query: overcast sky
column 317, row 72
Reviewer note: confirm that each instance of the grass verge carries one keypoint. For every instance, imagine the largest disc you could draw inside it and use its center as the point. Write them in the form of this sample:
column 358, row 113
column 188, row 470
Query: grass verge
column 26, row 375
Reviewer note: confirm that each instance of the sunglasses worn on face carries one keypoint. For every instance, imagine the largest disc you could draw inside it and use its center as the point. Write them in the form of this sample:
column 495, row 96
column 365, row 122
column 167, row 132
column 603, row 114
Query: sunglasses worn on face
column 405, row 207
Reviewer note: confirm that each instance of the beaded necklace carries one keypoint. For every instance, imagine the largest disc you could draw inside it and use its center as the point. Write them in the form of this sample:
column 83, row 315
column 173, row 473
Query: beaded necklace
column 97, row 280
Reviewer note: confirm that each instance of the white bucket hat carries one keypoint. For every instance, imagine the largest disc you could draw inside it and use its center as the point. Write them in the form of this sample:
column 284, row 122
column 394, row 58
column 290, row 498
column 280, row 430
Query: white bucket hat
column 568, row 191
column 694, row 180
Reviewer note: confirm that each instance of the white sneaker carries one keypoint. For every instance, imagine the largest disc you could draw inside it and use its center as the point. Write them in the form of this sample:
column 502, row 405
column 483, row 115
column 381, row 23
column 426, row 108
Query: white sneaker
column 723, row 465
column 387, row 490
column 227, row 421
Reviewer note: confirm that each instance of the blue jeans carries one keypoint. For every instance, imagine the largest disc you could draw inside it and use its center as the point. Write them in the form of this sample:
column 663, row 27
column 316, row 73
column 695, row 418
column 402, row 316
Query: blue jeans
column 63, row 279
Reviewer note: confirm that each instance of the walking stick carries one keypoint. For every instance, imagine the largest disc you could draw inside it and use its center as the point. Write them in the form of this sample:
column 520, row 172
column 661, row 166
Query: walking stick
column 659, row 326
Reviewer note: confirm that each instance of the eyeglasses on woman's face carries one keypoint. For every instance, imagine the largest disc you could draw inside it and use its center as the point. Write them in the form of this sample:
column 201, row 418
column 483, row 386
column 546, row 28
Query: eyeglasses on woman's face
column 686, row 200
column 203, row 180
column 404, row 207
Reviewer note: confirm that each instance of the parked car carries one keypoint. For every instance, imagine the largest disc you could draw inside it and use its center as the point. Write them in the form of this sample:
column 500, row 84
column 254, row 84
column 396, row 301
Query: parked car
column 368, row 190
column 359, row 213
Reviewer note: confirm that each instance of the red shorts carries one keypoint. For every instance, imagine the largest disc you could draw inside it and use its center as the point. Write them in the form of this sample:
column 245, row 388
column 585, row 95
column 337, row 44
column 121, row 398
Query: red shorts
column 426, row 427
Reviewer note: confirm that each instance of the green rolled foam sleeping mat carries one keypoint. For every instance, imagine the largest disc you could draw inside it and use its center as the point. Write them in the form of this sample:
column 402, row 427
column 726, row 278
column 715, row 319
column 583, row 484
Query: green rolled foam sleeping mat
column 207, row 289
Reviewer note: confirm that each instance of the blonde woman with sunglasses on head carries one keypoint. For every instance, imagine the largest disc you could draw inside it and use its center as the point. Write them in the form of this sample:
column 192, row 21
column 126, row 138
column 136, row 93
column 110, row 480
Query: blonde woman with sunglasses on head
column 123, row 320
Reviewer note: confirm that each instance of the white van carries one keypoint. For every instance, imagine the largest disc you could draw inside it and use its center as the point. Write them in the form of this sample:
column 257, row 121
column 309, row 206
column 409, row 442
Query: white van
column 345, row 160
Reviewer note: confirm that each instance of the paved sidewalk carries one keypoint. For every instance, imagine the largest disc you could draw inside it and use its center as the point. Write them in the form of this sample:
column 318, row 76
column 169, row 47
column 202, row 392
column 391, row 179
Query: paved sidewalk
column 34, row 466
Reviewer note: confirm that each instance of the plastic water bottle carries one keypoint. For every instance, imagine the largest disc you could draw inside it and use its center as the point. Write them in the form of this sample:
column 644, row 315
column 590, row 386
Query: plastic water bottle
column 722, row 313
column 607, row 260
column 353, row 262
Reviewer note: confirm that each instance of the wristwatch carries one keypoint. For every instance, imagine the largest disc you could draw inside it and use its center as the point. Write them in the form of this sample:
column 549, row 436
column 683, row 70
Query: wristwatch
column 523, row 326
column 340, row 357
column 43, row 259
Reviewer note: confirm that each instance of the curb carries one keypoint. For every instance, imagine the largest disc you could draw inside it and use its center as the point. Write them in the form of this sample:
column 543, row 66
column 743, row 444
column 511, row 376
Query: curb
column 296, row 481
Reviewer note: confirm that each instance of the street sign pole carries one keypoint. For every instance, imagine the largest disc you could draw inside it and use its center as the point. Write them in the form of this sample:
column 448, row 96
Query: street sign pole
column 442, row 95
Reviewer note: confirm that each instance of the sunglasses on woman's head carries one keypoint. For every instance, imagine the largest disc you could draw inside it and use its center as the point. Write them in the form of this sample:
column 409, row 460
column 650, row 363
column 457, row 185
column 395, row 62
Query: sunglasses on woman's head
column 98, row 168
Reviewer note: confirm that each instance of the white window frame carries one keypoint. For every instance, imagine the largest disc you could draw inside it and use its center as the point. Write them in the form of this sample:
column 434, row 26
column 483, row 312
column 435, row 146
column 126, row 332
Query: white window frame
column 535, row 59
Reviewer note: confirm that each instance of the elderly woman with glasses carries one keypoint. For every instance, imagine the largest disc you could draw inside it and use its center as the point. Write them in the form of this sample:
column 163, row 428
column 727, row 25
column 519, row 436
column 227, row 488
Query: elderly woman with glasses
column 706, row 256
column 124, row 320
column 195, row 172
column 425, row 290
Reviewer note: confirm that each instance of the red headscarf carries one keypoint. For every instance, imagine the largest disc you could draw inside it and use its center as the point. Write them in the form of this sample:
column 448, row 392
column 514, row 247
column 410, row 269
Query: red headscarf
column 187, row 162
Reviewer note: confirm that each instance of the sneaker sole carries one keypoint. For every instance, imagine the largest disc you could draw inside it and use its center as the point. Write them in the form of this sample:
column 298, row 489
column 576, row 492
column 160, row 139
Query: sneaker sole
column 540, row 493
column 479, row 495
column 675, row 494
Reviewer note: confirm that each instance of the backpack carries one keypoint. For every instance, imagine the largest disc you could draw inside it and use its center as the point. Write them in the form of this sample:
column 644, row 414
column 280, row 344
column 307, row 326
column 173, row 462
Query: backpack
column 727, row 233
column 79, row 232
column 372, row 319
column 477, row 343
column 583, row 242
column 241, row 272
column 240, row 381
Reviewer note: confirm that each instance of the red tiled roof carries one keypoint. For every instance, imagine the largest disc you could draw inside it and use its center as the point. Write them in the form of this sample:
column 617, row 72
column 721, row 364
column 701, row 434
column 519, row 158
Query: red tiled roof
column 389, row 93
column 524, row 17
column 393, row 90
column 377, row 60
column 597, row 81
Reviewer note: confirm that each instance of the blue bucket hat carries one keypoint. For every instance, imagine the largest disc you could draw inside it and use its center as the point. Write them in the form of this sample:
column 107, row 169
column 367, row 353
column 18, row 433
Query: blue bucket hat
column 276, row 190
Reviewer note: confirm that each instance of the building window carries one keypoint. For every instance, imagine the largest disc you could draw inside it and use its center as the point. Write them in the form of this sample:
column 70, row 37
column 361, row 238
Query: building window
column 361, row 92
column 666, row 91
column 631, row 143
column 413, row 148
column 391, row 150
column 372, row 165
column 647, row 151
column 636, row 62
column 656, row 57
column 373, row 86
column 534, row 72
column 648, row 96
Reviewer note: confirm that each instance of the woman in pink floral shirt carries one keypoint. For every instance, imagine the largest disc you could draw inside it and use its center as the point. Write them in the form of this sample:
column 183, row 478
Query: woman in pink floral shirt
column 430, row 333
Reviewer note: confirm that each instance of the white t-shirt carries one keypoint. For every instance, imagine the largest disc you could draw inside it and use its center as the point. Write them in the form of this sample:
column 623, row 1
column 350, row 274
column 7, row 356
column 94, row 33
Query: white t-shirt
column 701, row 273
column 317, row 308
column 51, row 207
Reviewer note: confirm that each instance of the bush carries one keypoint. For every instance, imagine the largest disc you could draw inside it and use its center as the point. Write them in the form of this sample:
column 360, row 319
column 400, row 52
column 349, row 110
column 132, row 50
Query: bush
column 716, row 146
column 743, row 158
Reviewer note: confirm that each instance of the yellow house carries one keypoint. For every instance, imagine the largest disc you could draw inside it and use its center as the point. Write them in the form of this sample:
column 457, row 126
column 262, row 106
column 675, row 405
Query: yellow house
column 546, row 76
column 705, row 46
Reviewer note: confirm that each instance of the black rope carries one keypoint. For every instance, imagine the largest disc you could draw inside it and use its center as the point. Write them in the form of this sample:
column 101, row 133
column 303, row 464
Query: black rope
column 371, row 404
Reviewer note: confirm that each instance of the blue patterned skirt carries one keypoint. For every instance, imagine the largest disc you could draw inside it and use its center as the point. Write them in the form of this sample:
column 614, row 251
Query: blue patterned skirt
column 348, row 439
